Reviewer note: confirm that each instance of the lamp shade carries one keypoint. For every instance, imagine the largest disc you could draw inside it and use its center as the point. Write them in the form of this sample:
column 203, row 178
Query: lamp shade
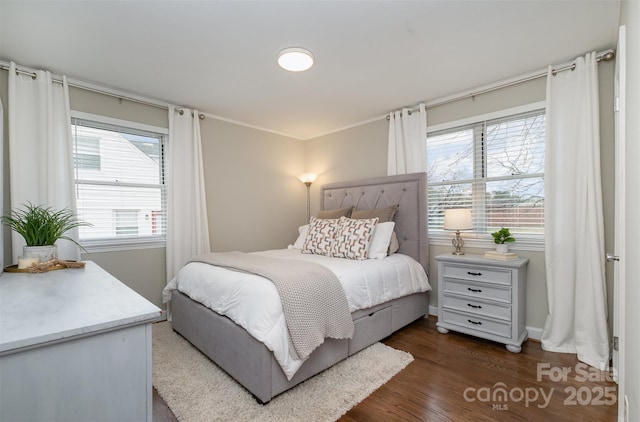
column 308, row 178
column 457, row 219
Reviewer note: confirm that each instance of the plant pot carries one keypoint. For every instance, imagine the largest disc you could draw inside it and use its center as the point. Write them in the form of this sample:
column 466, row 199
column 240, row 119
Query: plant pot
column 44, row 253
column 502, row 248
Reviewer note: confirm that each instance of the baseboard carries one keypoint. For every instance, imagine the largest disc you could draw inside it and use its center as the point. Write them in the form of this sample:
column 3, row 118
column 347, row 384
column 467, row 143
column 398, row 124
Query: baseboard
column 535, row 333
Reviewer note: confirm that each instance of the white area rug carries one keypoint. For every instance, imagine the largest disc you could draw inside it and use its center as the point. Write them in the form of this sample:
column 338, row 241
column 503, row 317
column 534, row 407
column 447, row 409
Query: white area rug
column 195, row 389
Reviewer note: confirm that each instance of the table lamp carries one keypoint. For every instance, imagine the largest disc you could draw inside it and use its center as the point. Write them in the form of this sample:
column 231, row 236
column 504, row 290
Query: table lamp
column 458, row 219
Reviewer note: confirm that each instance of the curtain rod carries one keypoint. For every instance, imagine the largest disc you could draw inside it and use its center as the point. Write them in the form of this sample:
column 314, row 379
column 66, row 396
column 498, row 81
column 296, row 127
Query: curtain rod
column 90, row 88
column 606, row 56
column 181, row 112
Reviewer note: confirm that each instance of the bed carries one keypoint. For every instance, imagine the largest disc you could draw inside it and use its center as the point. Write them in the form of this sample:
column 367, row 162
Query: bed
column 259, row 369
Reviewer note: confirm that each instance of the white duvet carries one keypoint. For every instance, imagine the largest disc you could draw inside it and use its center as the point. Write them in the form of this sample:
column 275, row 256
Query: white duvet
column 253, row 302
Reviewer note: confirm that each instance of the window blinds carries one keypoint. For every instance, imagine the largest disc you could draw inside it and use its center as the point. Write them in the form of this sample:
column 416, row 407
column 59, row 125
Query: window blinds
column 120, row 186
column 494, row 167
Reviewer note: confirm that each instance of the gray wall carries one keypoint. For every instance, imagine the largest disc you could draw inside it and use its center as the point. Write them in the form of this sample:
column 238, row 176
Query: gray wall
column 256, row 202
column 254, row 198
column 141, row 269
column 334, row 158
column 351, row 154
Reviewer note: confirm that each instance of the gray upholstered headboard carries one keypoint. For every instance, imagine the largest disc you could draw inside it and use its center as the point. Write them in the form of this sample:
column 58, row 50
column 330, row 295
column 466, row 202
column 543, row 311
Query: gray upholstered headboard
column 408, row 191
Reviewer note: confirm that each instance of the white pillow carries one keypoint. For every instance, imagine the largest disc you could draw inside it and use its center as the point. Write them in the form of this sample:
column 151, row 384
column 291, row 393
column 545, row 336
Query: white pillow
column 299, row 243
column 381, row 240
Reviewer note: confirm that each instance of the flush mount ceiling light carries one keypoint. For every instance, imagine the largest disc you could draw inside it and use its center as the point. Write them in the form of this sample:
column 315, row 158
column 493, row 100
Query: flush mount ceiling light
column 295, row 59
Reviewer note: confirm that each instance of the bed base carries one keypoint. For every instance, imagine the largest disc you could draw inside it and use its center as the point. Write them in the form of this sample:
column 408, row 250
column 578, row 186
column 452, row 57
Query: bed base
column 249, row 361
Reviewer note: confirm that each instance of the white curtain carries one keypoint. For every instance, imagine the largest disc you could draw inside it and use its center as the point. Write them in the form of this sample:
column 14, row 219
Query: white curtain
column 41, row 150
column 187, row 227
column 407, row 141
column 1, row 185
column 574, row 228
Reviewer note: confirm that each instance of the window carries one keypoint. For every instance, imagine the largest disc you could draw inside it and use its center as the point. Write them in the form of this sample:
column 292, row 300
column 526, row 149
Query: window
column 126, row 222
column 87, row 153
column 119, row 177
column 495, row 167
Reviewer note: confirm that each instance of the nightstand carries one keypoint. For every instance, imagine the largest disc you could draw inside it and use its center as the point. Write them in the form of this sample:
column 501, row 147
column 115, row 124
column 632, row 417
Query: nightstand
column 483, row 297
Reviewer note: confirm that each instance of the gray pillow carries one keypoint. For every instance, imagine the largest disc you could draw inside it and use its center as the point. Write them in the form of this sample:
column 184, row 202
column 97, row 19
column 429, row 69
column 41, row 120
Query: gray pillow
column 394, row 246
column 384, row 215
column 334, row 214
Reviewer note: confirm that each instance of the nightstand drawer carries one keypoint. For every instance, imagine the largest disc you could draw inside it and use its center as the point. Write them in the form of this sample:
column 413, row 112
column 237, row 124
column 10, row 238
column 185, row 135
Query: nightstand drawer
column 474, row 322
column 493, row 275
column 478, row 290
column 479, row 308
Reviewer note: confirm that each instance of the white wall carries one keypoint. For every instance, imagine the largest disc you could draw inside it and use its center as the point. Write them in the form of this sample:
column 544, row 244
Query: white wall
column 5, row 206
column 630, row 17
column 1, row 180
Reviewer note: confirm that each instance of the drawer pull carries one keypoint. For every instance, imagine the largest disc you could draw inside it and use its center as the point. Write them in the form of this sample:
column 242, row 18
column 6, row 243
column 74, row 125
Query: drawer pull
column 474, row 290
column 474, row 306
column 470, row 273
column 475, row 322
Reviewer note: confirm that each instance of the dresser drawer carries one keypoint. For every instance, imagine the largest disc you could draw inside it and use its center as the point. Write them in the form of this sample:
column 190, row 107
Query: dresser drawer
column 477, row 323
column 478, row 290
column 479, row 308
column 476, row 273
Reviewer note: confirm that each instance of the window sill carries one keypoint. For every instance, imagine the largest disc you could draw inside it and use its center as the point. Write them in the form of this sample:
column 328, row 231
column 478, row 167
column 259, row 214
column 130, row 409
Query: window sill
column 118, row 245
column 474, row 240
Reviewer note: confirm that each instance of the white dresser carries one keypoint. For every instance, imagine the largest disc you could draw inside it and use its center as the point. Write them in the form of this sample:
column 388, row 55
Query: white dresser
column 483, row 297
column 75, row 345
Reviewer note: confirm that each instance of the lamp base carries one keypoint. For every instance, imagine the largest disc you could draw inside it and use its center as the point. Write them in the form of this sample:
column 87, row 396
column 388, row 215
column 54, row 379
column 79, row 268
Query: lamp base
column 457, row 243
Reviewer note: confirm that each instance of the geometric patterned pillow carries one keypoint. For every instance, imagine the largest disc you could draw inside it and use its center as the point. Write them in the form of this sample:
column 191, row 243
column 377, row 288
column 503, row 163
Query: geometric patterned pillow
column 353, row 238
column 320, row 236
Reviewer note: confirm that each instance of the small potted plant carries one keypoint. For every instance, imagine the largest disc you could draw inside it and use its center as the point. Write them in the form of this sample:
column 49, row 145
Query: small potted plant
column 41, row 227
column 502, row 238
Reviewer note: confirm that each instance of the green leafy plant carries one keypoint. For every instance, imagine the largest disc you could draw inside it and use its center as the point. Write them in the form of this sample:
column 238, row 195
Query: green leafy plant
column 40, row 226
column 502, row 236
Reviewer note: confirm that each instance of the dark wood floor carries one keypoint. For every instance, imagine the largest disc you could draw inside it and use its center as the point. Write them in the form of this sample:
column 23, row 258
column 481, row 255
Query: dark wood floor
column 455, row 377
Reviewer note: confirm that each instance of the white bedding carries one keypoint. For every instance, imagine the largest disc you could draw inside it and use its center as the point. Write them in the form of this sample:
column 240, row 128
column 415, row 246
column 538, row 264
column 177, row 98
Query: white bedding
column 253, row 303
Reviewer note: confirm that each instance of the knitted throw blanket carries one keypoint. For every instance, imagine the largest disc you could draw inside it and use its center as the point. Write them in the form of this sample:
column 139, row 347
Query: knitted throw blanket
column 313, row 300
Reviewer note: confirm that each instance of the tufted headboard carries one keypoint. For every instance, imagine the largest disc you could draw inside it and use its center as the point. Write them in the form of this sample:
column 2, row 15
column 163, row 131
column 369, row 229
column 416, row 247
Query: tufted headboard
column 408, row 191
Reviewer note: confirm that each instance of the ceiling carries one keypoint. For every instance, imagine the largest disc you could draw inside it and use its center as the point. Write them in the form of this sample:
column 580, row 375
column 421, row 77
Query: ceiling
column 372, row 57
